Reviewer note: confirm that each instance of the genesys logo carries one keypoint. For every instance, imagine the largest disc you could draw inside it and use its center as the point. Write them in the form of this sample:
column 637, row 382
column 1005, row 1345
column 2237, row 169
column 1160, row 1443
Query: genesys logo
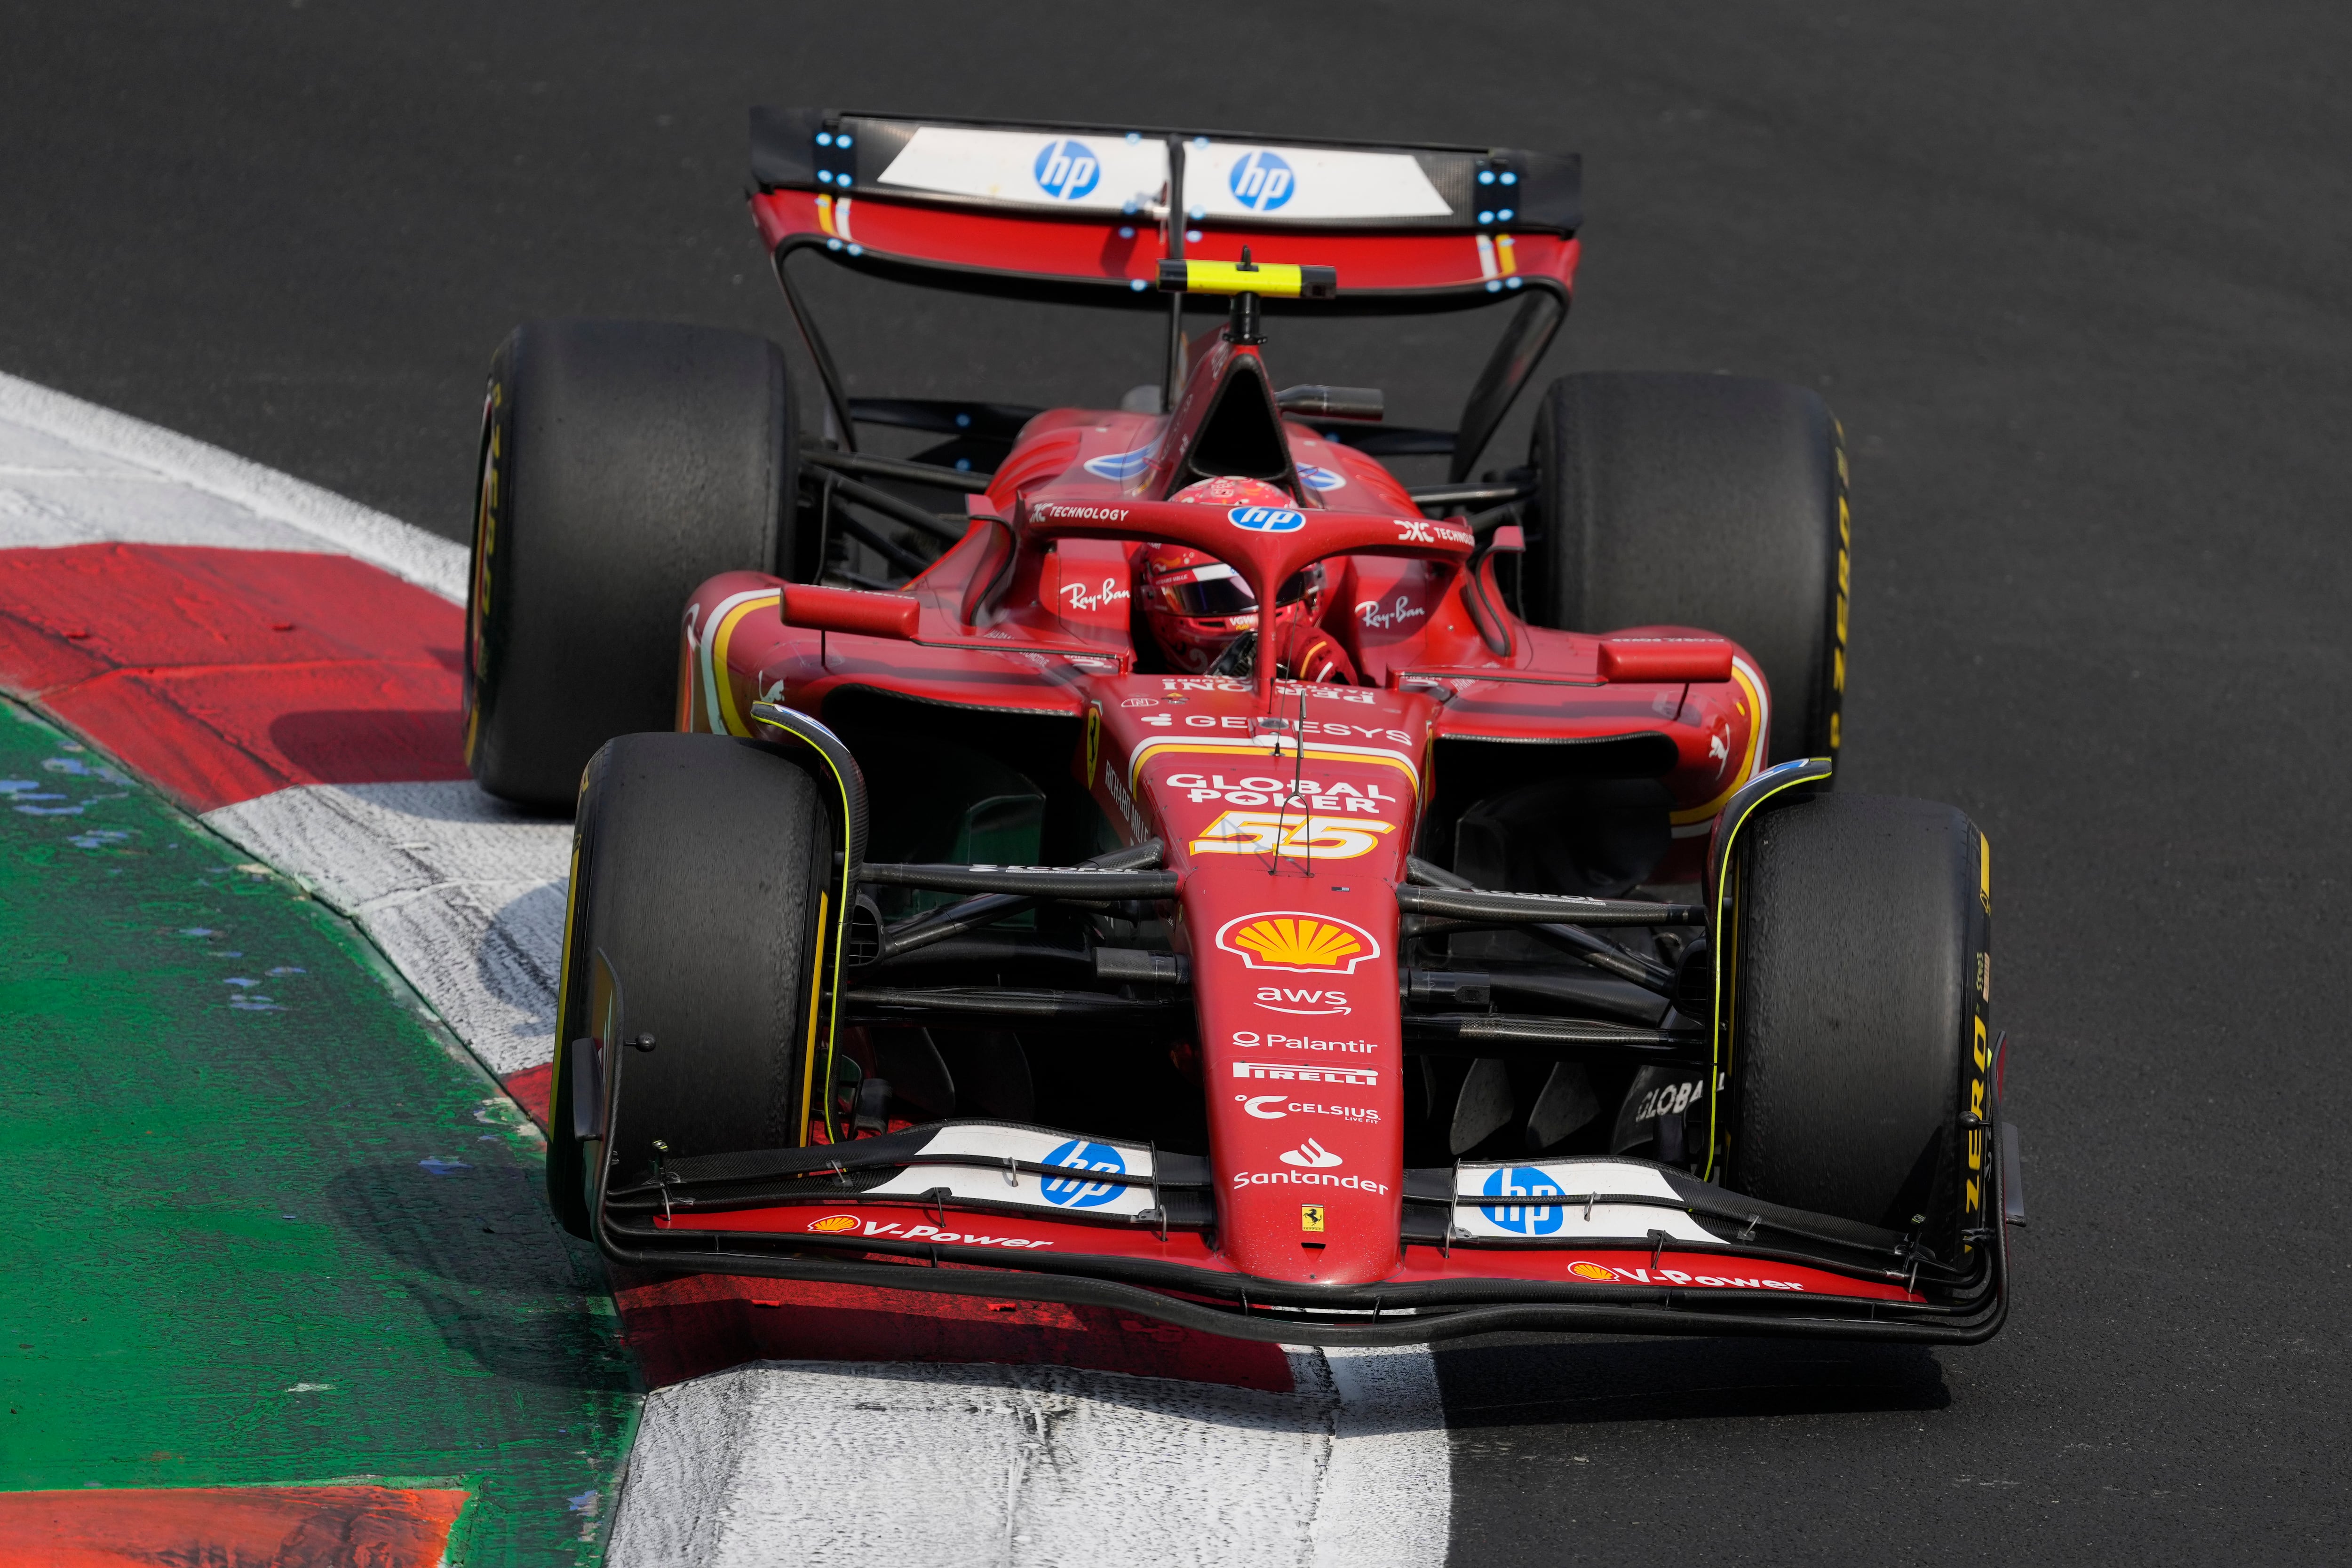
column 1076, row 1192
column 1300, row 943
column 1266, row 519
column 1067, row 170
column 841, row 1223
column 1283, row 1072
column 1308, row 838
column 1309, row 1178
column 1275, row 1107
column 1252, row 1039
column 1311, row 1155
column 1262, row 180
column 1304, row 1002
column 1603, row 1274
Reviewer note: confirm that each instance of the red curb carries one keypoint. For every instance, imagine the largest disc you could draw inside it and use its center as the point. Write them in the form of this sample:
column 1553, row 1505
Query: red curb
column 222, row 675
column 228, row 1527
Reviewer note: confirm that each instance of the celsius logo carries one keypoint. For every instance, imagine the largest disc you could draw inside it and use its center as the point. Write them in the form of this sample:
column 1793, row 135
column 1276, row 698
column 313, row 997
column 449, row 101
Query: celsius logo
column 1521, row 1218
column 1078, row 1155
column 1262, row 181
column 1312, row 1156
column 1067, row 171
column 1267, row 519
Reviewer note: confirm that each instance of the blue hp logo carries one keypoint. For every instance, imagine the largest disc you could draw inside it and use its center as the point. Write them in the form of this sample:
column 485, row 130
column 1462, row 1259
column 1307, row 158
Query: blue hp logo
column 1067, row 170
column 1267, row 519
column 1524, row 1219
column 1262, row 181
column 1075, row 1192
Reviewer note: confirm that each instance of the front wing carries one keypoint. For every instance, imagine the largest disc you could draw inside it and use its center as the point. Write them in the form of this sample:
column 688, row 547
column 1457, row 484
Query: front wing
column 1022, row 1213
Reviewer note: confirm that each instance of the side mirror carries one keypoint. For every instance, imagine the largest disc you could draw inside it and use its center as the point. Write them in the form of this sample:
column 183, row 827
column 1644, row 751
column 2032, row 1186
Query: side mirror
column 850, row 610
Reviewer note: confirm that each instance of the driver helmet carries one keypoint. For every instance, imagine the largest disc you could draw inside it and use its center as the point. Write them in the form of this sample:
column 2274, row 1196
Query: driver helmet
column 1196, row 605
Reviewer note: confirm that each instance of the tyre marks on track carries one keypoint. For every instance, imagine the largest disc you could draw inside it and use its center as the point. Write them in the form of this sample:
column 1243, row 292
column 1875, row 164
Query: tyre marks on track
column 287, row 664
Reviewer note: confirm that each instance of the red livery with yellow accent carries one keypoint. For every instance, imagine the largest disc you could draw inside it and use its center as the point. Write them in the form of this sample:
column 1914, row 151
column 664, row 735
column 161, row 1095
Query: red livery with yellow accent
column 1193, row 868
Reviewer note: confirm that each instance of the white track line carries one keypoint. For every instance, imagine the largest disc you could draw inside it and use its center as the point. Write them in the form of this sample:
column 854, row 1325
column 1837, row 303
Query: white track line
column 464, row 894
column 100, row 476
column 920, row 1465
column 1005, row 1466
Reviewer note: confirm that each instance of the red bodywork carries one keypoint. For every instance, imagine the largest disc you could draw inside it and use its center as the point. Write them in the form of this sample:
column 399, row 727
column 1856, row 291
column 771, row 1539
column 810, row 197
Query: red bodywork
column 1287, row 809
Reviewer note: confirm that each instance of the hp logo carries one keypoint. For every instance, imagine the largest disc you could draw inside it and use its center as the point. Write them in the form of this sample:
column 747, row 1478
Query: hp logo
column 1267, row 519
column 1262, row 181
column 1067, row 171
column 1523, row 1182
column 1076, row 1191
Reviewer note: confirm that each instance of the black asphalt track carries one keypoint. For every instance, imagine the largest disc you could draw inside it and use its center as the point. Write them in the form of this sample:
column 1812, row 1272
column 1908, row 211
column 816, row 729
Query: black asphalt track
column 2074, row 276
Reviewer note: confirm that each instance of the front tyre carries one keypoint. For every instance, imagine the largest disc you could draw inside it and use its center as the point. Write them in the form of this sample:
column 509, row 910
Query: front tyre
column 699, row 866
column 1860, row 1005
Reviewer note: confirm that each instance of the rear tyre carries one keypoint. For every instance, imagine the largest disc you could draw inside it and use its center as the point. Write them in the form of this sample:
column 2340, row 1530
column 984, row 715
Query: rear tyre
column 622, row 464
column 1713, row 501
column 1859, row 1013
column 698, row 865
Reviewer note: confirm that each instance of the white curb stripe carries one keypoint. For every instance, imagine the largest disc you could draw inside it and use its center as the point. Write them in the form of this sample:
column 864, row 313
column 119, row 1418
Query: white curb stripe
column 103, row 475
column 464, row 893
column 1039, row 1465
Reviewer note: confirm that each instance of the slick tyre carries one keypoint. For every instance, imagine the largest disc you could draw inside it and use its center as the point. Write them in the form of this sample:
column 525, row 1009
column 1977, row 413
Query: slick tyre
column 1712, row 502
column 699, row 866
column 1859, row 1014
column 622, row 464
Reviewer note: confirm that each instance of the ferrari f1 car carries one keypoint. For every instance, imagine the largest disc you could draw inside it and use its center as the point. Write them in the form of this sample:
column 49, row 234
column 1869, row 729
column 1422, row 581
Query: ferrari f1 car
column 1154, row 856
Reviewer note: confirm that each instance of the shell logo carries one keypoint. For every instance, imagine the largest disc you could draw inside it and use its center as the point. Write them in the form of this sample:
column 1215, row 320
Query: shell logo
column 1307, row 944
column 1597, row 1273
column 834, row 1223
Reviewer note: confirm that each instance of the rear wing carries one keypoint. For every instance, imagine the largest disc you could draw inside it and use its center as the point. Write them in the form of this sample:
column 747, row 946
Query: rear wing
column 1083, row 211
column 1086, row 215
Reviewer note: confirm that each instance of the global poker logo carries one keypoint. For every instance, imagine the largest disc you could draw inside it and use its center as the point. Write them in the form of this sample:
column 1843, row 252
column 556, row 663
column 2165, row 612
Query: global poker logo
column 1262, row 180
column 1078, row 1155
column 1266, row 519
column 1067, row 170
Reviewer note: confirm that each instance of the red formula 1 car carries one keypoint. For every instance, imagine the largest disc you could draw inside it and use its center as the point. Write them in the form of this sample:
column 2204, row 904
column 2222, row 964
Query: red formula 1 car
column 1202, row 873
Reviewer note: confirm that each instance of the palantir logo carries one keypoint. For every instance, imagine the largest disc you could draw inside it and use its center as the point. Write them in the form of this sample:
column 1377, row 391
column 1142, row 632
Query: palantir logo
column 1262, row 180
column 1078, row 1155
column 1524, row 1219
column 1067, row 170
column 1267, row 519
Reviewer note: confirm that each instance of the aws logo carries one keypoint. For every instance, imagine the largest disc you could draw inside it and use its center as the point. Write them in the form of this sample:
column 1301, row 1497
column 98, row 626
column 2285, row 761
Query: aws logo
column 1302, row 1000
column 1303, row 944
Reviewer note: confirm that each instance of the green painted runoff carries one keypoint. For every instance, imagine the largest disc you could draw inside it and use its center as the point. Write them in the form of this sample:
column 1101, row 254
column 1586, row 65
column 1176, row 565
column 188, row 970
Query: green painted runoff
column 266, row 1222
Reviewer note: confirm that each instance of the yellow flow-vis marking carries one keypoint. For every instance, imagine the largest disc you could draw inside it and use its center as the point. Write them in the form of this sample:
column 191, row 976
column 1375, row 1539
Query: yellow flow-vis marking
column 1275, row 279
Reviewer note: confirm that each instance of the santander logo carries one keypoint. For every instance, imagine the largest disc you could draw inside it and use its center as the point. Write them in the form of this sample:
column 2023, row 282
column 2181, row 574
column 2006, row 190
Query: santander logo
column 1312, row 1156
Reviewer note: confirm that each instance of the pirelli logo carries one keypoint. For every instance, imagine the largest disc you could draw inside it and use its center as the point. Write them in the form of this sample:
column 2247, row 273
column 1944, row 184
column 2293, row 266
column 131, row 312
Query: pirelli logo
column 1365, row 1076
